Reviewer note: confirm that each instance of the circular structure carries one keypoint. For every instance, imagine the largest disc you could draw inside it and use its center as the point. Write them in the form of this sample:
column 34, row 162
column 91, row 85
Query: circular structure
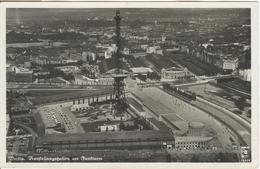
column 196, row 129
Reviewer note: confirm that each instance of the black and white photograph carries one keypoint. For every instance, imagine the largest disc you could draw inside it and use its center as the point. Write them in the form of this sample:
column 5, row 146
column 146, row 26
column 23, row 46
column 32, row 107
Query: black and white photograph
column 123, row 84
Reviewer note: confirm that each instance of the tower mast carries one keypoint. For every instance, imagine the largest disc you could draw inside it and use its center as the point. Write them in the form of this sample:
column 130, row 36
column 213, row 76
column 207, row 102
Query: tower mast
column 119, row 102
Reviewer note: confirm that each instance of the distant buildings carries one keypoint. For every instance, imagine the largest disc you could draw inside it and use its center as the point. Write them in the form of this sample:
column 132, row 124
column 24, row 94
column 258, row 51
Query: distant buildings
column 225, row 56
column 79, row 107
column 229, row 64
column 136, row 53
column 45, row 60
column 27, row 45
column 142, row 73
column 105, row 50
column 68, row 69
column 154, row 50
column 156, row 38
column 88, row 56
column 245, row 74
column 7, row 122
column 83, row 80
column 44, row 43
column 42, row 72
column 126, row 51
column 184, row 48
column 27, row 65
column 111, row 127
column 49, row 60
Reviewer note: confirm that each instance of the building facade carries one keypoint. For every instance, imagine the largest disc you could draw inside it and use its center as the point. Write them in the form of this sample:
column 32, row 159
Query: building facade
column 192, row 142
column 176, row 73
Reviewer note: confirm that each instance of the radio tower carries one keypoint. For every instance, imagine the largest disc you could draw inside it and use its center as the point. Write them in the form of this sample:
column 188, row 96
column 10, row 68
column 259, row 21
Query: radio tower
column 119, row 102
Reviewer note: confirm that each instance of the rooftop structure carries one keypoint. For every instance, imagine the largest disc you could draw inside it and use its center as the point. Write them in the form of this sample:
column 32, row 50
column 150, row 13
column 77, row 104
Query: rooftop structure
column 177, row 122
column 107, row 139
column 141, row 70
column 176, row 73
column 197, row 125
column 192, row 142
column 196, row 129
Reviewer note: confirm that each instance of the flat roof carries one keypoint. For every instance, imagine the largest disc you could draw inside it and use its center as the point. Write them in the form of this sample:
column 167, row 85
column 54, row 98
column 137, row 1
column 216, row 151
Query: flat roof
column 159, row 124
column 156, row 107
column 107, row 136
column 119, row 75
column 137, row 105
column 141, row 69
column 173, row 117
column 177, row 122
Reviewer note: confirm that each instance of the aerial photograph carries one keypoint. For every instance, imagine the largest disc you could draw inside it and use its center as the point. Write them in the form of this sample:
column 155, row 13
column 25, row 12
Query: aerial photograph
column 128, row 85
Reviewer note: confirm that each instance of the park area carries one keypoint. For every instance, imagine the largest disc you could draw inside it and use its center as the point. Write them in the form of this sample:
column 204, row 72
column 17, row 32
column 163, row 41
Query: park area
column 100, row 114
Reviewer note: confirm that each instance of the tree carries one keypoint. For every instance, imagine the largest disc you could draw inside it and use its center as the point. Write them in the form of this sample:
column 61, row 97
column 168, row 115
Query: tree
column 220, row 157
column 249, row 113
column 240, row 103
column 168, row 157
column 195, row 158
column 121, row 126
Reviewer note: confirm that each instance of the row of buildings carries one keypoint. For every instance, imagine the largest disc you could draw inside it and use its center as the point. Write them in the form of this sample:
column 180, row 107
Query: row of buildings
column 216, row 58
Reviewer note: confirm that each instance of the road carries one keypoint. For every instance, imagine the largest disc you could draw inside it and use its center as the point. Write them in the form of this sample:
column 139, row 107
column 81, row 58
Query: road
column 239, row 91
column 36, row 86
column 241, row 127
column 54, row 89
column 30, row 86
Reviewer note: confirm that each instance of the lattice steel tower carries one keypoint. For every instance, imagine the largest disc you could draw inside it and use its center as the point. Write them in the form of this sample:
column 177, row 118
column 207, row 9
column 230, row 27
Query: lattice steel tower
column 119, row 102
